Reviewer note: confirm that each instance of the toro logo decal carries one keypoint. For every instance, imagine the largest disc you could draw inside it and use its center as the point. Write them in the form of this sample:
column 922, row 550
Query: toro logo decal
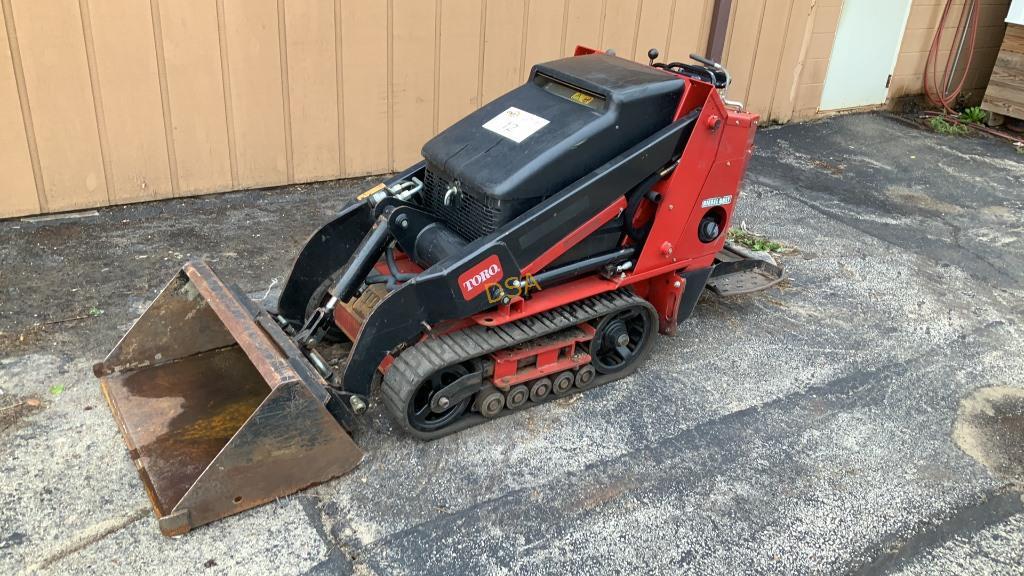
column 474, row 281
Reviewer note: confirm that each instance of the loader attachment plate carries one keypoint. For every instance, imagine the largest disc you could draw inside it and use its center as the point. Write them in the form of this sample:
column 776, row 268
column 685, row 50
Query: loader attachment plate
column 219, row 409
column 738, row 271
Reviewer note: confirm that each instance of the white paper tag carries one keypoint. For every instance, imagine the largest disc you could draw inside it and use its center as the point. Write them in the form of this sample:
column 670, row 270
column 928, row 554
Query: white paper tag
column 515, row 124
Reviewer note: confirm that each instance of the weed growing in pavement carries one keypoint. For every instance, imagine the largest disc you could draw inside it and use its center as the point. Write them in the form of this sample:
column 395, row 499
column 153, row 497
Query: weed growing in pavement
column 940, row 125
column 973, row 115
column 753, row 241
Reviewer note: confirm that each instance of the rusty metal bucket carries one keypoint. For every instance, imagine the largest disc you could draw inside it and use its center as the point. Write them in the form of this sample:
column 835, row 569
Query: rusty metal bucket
column 219, row 409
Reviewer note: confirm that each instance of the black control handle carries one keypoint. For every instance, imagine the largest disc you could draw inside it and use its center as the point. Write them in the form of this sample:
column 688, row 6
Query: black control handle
column 705, row 61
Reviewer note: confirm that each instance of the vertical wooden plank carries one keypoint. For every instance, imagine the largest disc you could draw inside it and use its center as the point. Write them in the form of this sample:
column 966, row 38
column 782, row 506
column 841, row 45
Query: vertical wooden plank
column 543, row 33
column 20, row 196
column 768, row 57
column 583, row 25
column 655, row 21
column 256, row 93
column 620, row 26
column 126, row 68
column 313, row 88
column 195, row 94
column 742, row 45
column 690, row 22
column 60, row 91
column 365, row 65
column 503, row 42
column 797, row 44
column 286, row 110
column 459, row 60
column 412, row 81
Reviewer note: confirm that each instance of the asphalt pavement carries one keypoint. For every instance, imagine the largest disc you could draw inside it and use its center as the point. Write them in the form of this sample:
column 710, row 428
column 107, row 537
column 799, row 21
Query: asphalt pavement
column 866, row 416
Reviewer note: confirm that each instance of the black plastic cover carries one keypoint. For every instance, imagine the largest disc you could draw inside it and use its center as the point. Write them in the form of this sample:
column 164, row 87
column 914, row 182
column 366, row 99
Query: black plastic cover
column 597, row 106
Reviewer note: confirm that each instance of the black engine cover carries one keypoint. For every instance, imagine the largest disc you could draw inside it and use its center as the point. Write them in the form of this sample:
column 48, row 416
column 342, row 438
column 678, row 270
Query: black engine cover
column 595, row 107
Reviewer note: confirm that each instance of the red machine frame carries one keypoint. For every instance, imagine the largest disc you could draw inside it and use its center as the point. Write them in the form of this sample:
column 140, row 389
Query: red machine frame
column 710, row 169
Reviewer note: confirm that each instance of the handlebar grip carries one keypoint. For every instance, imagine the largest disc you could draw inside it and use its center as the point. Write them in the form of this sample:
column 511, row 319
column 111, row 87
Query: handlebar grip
column 705, row 61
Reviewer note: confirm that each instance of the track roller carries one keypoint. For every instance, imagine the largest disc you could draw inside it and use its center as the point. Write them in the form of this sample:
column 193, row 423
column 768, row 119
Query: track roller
column 540, row 389
column 517, row 396
column 586, row 377
column 491, row 401
column 562, row 384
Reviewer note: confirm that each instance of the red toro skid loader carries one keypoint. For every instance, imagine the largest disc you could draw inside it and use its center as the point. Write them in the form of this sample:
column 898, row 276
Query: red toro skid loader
column 538, row 250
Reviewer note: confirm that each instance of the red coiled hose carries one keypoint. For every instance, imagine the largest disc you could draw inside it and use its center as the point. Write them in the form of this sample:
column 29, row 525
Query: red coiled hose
column 944, row 95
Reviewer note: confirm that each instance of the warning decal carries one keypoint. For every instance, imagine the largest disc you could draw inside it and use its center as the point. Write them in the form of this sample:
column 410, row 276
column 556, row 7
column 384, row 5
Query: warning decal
column 515, row 124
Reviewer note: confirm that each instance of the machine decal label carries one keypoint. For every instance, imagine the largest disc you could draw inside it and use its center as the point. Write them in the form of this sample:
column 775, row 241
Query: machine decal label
column 719, row 201
column 515, row 124
column 474, row 281
column 582, row 98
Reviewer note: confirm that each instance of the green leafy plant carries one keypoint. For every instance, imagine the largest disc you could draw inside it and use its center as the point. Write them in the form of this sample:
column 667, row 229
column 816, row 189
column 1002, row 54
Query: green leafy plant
column 942, row 126
column 57, row 389
column 753, row 241
column 973, row 115
column 94, row 312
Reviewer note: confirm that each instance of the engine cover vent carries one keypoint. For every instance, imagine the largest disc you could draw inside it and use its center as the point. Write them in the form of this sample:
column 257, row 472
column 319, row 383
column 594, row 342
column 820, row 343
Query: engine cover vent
column 467, row 214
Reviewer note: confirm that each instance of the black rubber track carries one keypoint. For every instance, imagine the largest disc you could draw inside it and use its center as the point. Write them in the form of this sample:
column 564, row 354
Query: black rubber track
column 418, row 362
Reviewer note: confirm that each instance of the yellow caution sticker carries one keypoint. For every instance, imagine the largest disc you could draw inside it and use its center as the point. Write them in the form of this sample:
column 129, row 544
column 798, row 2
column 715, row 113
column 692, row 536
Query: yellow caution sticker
column 582, row 98
column 371, row 192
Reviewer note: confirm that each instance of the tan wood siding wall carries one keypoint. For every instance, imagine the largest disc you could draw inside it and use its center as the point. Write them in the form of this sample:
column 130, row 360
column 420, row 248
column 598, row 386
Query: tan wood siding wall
column 778, row 51
column 111, row 101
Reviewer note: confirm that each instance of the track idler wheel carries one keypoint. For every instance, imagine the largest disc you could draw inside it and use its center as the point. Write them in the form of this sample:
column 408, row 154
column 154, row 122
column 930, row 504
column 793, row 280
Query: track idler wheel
column 517, row 396
column 422, row 412
column 621, row 339
column 491, row 401
column 540, row 389
column 562, row 384
column 586, row 377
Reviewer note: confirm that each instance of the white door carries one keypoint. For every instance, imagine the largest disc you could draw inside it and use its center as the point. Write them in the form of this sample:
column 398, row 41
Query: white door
column 864, row 54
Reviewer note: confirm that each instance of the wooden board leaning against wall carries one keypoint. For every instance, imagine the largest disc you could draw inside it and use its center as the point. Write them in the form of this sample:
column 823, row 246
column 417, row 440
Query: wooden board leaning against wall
column 1005, row 92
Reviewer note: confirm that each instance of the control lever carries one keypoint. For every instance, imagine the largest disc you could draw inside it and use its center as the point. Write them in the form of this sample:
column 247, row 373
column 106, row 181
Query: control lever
column 719, row 68
column 714, row 66
column 706, row 61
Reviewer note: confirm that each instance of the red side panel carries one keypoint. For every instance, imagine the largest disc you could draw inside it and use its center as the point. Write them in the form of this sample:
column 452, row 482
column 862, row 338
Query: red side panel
column 708, row 178
column 583, row 51
column 541, row 358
